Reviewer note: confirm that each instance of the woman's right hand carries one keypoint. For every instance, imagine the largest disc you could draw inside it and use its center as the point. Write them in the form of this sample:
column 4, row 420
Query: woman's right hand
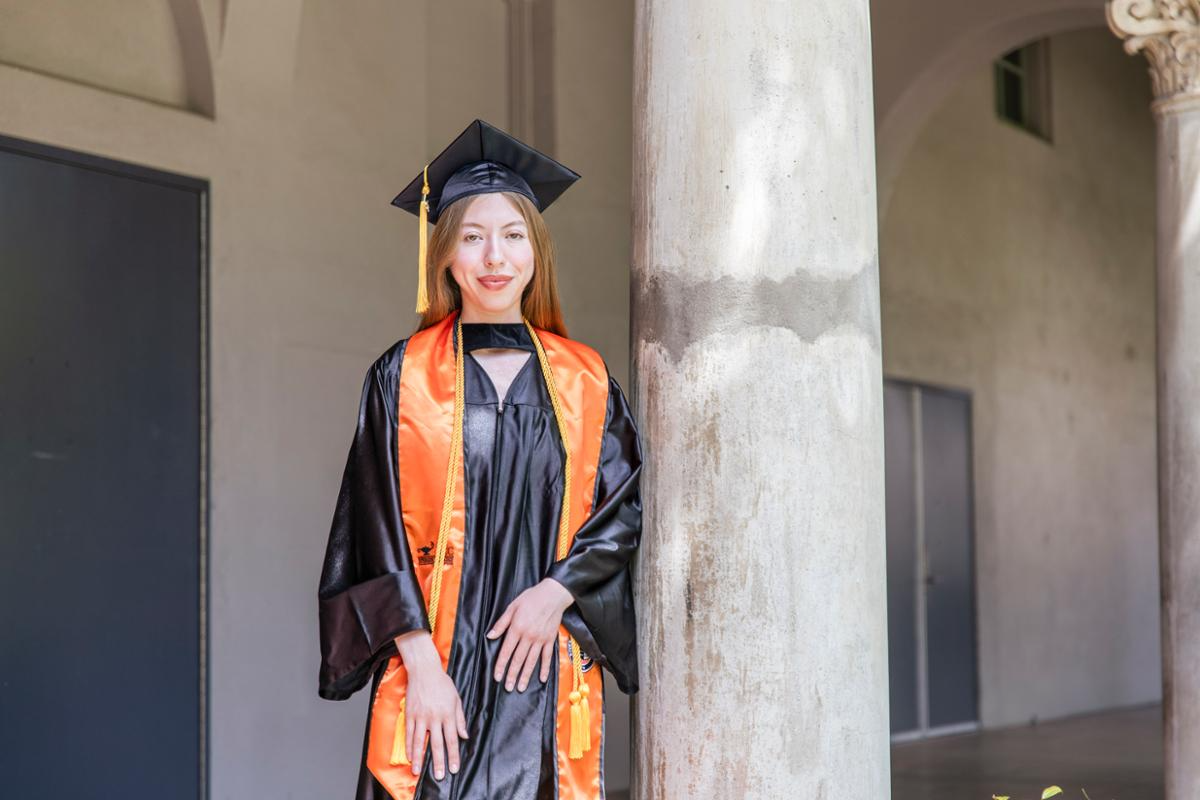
column 432, row 705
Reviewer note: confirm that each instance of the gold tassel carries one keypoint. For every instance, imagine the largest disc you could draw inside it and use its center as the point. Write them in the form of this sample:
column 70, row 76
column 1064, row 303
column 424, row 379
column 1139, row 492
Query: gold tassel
column 585, row 717
column 399, row 756
column 576, row 747
column 422, row 246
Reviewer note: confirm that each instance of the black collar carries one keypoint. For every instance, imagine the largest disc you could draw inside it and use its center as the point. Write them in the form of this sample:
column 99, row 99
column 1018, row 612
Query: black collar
column 478, row 335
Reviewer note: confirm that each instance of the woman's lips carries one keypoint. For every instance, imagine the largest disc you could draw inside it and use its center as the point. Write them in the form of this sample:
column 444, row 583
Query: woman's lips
column 495, row 282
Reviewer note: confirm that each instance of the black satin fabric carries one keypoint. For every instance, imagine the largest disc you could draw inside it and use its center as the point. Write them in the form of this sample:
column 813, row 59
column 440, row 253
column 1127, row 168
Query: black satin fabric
column 513, row 472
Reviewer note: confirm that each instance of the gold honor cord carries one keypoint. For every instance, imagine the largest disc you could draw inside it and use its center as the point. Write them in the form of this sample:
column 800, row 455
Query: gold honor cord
column 581, row 738
column 399, row 754
column 580, row 741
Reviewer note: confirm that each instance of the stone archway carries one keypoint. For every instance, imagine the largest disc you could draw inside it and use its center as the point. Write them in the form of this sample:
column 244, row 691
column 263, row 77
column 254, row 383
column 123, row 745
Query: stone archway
column 901, row 111
column 1007, row 257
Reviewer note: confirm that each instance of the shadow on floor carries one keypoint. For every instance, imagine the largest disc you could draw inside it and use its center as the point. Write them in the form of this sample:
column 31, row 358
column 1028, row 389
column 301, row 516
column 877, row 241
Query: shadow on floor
column 1114, row 755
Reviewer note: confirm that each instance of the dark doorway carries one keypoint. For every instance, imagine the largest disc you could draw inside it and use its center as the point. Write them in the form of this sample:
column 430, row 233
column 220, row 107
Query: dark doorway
column 930, row 557
column 103, row 270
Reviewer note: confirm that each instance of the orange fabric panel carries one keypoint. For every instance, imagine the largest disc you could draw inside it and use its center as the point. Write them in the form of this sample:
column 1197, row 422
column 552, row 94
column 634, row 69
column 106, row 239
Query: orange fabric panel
column 582, row 381
column 425, row 422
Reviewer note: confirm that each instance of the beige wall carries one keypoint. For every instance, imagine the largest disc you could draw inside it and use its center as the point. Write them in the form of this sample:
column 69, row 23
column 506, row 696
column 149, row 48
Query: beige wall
column 594, row 124
column 322, row 111
column 1023, row 272
column 593, row 107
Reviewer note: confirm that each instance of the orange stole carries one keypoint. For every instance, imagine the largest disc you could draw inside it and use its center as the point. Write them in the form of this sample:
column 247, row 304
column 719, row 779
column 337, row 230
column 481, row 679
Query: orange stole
column 424, row 425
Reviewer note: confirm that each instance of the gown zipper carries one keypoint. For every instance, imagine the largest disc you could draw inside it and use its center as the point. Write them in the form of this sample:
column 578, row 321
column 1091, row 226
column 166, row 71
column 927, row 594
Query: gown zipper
column 497, row 440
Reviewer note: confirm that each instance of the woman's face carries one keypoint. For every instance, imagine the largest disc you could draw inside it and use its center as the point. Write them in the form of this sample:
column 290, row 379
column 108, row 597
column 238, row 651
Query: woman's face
column 493, row 261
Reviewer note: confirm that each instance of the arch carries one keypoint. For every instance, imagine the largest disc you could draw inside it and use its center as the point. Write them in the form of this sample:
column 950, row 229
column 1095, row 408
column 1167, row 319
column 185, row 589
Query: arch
column 898, row 124
column 195, row 54
column 154, row 51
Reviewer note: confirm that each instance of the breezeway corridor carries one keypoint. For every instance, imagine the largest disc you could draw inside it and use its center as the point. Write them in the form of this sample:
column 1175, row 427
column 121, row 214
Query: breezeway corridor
column 1115, row 755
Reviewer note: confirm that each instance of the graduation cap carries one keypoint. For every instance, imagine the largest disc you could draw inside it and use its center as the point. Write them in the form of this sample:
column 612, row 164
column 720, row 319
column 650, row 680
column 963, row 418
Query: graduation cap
column 481, row 159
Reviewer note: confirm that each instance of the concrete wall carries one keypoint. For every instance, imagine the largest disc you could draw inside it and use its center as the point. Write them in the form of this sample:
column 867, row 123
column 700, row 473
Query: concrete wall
column 323, row 110
column 1023, row 272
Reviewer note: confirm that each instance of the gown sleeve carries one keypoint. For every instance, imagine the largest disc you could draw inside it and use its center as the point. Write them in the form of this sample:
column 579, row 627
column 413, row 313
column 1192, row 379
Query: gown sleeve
column 596, row 570
column 368, row 593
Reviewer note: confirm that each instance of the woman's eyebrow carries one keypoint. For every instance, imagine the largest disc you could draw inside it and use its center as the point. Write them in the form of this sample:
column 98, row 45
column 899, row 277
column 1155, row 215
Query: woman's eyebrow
column 506, row 225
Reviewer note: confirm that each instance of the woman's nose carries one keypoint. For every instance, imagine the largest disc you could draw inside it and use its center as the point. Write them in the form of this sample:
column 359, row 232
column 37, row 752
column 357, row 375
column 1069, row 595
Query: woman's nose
column 494, row 253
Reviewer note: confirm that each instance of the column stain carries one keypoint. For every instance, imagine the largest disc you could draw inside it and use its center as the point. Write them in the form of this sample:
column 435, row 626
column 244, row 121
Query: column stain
column 664, row 306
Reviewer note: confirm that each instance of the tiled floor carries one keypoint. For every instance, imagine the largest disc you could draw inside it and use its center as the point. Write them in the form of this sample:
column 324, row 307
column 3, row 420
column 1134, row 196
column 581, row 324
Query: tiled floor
column 1114, row 755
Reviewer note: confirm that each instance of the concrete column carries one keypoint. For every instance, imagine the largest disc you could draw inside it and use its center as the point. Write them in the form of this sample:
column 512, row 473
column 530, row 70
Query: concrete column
column 1168, row 32
column 757, row 377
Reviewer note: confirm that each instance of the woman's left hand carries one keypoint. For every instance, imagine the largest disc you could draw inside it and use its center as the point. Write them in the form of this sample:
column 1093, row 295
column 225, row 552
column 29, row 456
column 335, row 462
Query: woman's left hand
column 530, row 629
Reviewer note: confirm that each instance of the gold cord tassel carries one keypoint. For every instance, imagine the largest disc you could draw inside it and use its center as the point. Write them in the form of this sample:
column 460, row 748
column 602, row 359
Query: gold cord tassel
column 399, row 756
column 422, row 247
column 581, row 717
column 576, row 747
column 585, row 717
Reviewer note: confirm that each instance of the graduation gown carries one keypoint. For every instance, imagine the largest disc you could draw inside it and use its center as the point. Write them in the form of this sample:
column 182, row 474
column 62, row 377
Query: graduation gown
column 512, row 472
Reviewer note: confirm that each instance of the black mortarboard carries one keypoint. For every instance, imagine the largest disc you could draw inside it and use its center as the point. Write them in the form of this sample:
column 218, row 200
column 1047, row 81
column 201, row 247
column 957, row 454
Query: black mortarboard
column 481, row 159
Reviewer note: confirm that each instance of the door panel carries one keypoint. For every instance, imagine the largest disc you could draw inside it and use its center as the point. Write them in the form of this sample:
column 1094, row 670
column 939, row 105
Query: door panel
column 901, row 554
column 100, row 477
column 949, row 595
column 931, row 596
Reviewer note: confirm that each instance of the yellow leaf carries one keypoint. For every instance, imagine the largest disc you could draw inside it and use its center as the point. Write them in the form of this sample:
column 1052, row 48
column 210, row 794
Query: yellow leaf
column 999, row 797
column 1050, row 791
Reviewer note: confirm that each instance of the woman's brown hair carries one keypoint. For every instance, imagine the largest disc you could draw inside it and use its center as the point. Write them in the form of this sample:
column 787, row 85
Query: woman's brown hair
column 539, row 301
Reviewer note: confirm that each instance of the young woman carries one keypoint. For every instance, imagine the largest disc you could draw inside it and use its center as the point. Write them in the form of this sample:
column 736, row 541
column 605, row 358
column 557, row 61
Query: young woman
column 477, row 567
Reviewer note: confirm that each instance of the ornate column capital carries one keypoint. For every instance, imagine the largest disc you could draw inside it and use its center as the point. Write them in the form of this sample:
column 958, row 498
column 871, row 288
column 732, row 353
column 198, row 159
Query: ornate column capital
column 1168, row 32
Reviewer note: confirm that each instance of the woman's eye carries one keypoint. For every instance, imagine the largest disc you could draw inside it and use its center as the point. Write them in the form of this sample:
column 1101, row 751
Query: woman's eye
column 516, row 235
column 471, row 237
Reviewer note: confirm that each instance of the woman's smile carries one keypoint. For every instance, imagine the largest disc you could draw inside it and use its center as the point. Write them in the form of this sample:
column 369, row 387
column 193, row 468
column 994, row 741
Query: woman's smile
column 495, row 282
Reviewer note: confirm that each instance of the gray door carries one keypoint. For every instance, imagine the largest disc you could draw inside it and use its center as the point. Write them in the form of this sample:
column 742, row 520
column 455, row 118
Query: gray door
column 931, row 591
column 102, row 686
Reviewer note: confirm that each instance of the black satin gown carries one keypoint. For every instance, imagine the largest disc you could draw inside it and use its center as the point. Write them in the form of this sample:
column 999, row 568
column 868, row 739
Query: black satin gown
column 513, row 469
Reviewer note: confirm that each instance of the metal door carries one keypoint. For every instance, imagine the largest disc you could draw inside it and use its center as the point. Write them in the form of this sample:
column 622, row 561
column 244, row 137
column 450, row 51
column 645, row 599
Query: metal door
column 930, row 553
column 102, row 683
